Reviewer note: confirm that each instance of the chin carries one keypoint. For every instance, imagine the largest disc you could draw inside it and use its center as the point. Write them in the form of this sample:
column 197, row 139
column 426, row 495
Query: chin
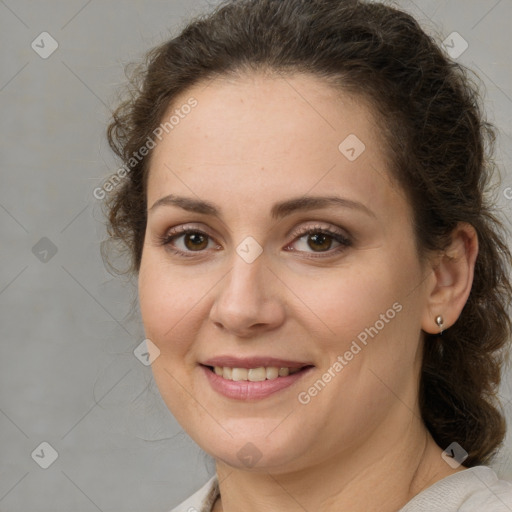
column 254, row 449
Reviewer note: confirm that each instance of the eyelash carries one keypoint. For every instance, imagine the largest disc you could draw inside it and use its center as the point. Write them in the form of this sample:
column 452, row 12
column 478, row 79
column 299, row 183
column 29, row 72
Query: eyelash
column 343, row 240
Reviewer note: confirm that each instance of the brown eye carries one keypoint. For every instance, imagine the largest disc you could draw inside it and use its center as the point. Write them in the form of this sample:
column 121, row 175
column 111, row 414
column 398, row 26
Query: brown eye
column 195, row 241
column 185, row 241
column 320, row 241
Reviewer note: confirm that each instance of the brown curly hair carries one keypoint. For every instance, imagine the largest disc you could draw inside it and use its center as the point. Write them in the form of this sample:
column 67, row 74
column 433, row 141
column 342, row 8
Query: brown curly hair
column 440, row 151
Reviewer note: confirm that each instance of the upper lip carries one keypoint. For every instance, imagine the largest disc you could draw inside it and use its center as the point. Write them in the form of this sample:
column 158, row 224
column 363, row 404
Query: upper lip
column 253, row 362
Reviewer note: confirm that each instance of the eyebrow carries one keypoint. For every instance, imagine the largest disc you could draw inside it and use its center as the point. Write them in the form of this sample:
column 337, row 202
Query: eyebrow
column 278, row 211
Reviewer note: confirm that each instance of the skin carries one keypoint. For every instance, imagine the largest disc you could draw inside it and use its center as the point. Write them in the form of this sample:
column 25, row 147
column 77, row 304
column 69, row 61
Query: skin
column 360, row 443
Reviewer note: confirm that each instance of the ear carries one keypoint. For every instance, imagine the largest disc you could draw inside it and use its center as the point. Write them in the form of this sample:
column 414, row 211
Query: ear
column 452, row 278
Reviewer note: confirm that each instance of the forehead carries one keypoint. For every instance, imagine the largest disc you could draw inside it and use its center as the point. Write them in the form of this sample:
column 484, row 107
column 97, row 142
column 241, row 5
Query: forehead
column 268, row 136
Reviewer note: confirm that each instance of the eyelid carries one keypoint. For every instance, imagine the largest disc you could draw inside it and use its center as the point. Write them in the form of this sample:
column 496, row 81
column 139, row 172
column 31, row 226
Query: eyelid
column 185, row 228
column 301, row 231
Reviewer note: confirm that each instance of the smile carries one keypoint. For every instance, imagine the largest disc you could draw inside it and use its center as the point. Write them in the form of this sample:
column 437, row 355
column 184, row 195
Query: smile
column 254, row 374
column 252, row 383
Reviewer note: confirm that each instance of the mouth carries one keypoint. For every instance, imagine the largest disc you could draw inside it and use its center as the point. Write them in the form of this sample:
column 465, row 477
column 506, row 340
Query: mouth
column 252, row 379
column 257, row 374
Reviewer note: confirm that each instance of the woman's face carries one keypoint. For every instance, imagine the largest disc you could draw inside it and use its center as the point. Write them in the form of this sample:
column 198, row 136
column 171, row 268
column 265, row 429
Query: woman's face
column 257, row 164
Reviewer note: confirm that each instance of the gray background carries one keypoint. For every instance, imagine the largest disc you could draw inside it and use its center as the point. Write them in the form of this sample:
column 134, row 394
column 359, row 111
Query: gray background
column 68, row 374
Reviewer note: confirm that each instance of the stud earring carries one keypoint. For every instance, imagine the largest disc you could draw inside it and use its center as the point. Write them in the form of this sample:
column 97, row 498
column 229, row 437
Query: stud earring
column 439, row 322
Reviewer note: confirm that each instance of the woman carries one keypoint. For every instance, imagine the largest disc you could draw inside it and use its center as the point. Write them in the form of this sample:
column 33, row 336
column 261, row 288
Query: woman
column 322, row 281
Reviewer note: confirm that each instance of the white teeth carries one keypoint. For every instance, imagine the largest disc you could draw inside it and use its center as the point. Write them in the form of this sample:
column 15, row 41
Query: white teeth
column 257, row 374
column 239, row 374
column 272, row 372
column 253, row 374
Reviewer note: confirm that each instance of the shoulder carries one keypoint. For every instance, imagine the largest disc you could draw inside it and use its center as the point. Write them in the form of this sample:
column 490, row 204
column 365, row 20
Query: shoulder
column 472, row 490
column 202, row 500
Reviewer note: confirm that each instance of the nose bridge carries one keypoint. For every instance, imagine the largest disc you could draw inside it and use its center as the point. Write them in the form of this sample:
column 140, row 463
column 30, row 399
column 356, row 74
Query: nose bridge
column 248, row 268
column 246, row 284
column 247, row 299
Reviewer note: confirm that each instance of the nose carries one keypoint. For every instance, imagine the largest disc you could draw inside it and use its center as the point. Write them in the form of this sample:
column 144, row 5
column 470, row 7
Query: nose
column 248, row 300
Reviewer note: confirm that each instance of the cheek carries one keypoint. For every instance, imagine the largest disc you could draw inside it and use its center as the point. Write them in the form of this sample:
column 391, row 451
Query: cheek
column 169, row 308
column 169, row 304
column 367, row 314
column 345, row 302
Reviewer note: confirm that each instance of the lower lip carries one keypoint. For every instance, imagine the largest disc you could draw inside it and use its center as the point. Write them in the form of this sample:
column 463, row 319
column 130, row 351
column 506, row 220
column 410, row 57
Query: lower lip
column 247, row 390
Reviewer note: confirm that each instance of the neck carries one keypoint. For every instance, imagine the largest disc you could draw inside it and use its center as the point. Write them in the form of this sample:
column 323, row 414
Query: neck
column 380, row 476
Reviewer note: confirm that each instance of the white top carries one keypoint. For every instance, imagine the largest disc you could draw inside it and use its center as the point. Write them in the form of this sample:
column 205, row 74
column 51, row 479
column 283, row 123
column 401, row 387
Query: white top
column 476, row 489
